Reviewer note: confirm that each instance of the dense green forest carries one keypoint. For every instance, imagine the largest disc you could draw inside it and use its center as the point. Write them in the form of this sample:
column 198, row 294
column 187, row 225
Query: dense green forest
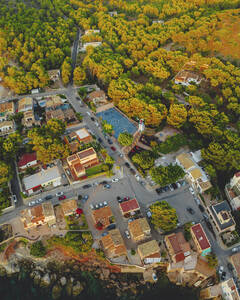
column 143, row 47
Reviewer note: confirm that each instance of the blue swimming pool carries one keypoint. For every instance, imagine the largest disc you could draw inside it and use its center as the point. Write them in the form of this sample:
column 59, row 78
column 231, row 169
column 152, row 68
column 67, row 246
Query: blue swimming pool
column 118, row 121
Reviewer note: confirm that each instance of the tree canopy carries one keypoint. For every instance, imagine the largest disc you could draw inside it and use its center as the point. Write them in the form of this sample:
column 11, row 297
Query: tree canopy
column 166, row 175
column 164, row 216
column 125, row 139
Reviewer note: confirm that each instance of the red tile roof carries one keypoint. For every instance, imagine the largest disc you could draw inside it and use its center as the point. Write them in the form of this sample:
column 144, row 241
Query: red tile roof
column 179, row 257
column 201, row 236
column 27, row 158
column 129, row 205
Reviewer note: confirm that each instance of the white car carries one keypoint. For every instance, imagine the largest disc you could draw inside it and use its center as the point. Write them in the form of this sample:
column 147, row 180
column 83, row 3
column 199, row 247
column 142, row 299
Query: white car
column 91, row 206
column 59, row 194
column 137, row 177
column 234, row 250
column 115, row 180
column 191, row 191
column 100, row 204
column 105, row 203
column 220, row 270
column 127, row 234
column 88, row 113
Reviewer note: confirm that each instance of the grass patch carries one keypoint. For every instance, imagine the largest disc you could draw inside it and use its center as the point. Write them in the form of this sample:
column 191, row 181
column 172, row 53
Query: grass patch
column 95, row 170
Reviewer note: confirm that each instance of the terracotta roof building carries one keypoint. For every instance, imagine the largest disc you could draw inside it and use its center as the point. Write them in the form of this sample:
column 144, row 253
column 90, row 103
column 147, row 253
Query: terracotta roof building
column 149, row 250
column 194, row 174
column 235, row 259
column 69, row 206
column 186, row 77
column 177, row 246
column 38, row 215
column 96, row 97
column 82, row 160
column 29, row 119
column 200, row 239
column 113, row 244
column 102, row 216
column 139, row 229
column 74, row 139
column 25, row 104
column 129, row 206
column 27, row 160
column 6, row 110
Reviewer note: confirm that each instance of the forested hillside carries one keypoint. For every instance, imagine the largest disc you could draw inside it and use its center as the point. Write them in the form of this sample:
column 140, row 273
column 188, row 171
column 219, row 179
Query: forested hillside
column 143, row 47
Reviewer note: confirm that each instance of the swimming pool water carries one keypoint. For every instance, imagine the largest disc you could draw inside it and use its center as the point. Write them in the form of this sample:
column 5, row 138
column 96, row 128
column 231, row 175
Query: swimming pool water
column 118, row 121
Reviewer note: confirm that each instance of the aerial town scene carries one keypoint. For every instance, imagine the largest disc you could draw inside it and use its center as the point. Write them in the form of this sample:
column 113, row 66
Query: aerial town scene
column 119, row 149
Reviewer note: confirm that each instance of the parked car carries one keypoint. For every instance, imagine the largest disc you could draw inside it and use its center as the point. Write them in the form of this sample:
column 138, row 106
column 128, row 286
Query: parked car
column 154, row 277
column 115, row 180
column 201, row 208
column 85, row 198
column 174, row 185
column 119, row 199
column 113, row 148
column 63, row 176
column 105, row 203
column 159, row 190
column 48, row 197
column 223, row 276
column 103, row 182
column 166, row 188
column 14, row 198
column 130, row 220
column 92, row 119
column 111, row 226
column 190, row 210
column 110, row 141
column 100, row 204
column 149, row 213
column 178, row 184
column 59, row 194
column 137, row 177
column 127, row 165
column 127, row 234
column 91, row 206
column 107, row 186
column 234, row 250
column 88, row 113
column 100, row 140
column 220, row 270
column 61, row 197
column 86, row 186
column 104, row 234
column 230, row 267
column 191, row 191
column 132, row 171
column 171, row 187
column 96, row 206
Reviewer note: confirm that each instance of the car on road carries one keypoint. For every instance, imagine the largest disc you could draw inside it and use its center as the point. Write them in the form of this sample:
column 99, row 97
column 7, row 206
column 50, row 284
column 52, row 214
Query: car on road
column 191, row 191
column 100, row 140
column 234, row 250
column 14, row 198
column 103, row 182
column 88, row 113
column 104, row 234
column 190, row 210
column 223, row 276
column 132, row 171
column 85, row 198
column 149, row 213
column 32, row 203
column 201, row 208
column 111, row 226
column 230, row 267
column 115, row 180
column 127, row 234
column 174, row 185
column 59, row 194
column 87, row 186
column 48, row 197
column 127, row 165
column 110, row 141
column 113, row 148
column 78, row 98
column 130, row 220
column 63, row 176
column 137, row 177
column 154, row 277
column 220, row 269
column 107, row 186
column 92, row 119
column 178, row 184
column 62, row 197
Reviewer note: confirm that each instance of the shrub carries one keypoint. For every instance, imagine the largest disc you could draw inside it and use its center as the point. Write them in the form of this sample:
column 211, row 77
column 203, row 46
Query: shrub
column 37, row 249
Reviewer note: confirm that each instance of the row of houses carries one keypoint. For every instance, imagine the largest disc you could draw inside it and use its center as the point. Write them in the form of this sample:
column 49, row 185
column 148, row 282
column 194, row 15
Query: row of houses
column 43, row 214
